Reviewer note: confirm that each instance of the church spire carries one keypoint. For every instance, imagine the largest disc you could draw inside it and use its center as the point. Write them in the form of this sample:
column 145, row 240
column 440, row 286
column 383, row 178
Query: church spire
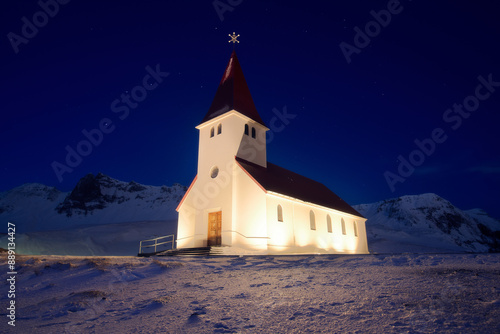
column 233, row 93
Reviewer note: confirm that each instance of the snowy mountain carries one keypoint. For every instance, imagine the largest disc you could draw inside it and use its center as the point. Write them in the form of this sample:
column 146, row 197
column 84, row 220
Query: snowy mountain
column 104, row 216
column 428, row 223
column 95, row 200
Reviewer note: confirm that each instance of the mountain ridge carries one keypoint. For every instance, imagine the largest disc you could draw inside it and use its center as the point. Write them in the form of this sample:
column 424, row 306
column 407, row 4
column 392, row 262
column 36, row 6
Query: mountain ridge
column 95, row 200
column 410, row 223
column 429, row 220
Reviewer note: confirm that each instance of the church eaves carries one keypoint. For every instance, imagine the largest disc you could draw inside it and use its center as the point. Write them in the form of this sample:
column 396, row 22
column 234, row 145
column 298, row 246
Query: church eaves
column 233, row 93
column 282, row 181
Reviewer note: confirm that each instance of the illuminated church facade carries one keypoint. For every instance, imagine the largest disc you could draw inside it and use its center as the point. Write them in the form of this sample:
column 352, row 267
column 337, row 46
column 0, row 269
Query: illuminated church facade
column 246, row 205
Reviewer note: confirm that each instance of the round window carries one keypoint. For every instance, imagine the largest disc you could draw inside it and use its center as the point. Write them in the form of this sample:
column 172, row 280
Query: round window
column 214, row 172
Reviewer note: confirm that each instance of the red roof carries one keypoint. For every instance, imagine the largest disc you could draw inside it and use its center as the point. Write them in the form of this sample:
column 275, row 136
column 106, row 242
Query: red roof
column 282, row 181
column 233, row 93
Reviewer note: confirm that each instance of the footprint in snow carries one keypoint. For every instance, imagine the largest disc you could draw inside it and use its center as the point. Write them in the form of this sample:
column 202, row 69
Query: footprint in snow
column 194, row 318
column 259, row 285
column 240, row 296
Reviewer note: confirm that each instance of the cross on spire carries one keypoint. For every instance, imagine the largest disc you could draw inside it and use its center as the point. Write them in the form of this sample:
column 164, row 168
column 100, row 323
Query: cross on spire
column 233, row 38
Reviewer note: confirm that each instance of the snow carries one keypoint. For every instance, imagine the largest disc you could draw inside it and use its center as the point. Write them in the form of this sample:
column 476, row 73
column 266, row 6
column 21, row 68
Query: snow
column 34, row 207
column 420, row 223
column 425, row 223
column 408, row 293
column 105, row 216
column 33, row 204
column 107, row 239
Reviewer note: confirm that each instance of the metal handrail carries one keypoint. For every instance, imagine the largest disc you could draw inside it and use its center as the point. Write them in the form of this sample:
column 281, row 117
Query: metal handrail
column 156, row 243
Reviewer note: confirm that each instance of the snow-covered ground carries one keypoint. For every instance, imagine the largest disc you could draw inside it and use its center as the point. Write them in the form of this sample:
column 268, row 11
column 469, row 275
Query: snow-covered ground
column 397, row 293
column 408, row 293
column 106, row 239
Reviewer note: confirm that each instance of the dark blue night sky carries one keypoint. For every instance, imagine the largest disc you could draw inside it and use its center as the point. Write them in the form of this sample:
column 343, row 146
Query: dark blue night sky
column 418, row 100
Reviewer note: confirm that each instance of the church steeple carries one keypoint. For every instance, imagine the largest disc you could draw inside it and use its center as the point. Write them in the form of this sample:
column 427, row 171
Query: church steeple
column 233, row 93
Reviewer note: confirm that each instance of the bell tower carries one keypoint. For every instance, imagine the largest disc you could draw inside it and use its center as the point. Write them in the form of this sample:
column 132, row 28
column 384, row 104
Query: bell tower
column 232, row 126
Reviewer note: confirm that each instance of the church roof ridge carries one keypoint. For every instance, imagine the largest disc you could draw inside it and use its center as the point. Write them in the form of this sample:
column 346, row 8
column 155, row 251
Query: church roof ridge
column 233, row 93
column 283, row 181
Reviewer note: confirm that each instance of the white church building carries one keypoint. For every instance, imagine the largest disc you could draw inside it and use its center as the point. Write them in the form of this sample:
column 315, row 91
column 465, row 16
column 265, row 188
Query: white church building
column 247, row 205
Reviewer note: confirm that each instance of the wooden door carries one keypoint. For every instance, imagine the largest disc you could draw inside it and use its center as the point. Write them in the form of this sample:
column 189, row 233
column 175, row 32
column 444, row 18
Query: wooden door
column 214, row 228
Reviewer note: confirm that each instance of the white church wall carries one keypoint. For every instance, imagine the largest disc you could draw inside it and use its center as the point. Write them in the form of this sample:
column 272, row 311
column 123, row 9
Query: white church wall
column 253, row 143
column 206, row 196
column 306, row 240
column 350, row 242
column 295, row 235
column 232, row 141
column 361, row 247
column 220, row 149
column 188, row 214
column 249, row 223
column 280, row 233
column 252, row 222
column 218, row 195
column 185, row 230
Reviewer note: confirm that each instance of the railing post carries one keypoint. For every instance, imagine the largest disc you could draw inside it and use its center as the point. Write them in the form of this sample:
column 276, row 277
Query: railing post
column 140, row 247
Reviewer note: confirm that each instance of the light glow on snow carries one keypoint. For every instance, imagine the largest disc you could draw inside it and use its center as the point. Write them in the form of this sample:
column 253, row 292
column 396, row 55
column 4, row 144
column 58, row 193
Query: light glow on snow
column 407, row 293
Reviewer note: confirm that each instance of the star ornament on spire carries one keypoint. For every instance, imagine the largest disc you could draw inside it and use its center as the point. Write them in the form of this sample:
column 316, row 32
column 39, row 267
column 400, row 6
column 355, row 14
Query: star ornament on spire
column 233, row 38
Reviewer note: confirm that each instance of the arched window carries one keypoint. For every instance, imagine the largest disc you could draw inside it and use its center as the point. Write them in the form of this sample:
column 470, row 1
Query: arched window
column 280, row 213
column 253, row 132
column 246, row 129
column 355, row 226
column 342, row 222
column 219, row 129
column 211, row 132
column 329, row 224
column 312, row 220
